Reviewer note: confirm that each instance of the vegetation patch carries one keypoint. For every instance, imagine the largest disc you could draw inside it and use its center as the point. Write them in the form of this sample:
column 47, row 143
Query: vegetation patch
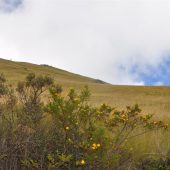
column 68, row 132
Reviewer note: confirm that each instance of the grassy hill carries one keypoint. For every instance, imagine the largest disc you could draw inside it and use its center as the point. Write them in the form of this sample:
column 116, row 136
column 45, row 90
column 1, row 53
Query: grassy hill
column 150, row 98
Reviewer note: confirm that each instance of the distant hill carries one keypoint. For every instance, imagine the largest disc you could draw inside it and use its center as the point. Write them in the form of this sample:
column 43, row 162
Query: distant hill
column 152, row 99
column 18, row 70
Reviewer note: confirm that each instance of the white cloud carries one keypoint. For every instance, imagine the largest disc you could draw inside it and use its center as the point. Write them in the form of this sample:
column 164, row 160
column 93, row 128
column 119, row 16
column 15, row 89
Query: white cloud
column 90, row 37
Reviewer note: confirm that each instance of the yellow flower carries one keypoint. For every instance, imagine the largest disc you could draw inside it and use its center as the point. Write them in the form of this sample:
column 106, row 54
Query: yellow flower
column 94, row 145
column 98, row 145
column 67, row 128
column 83, row 162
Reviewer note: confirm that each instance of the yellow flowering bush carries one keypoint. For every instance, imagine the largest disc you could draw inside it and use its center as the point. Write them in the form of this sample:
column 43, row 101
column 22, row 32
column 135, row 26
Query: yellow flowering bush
column 96, row 134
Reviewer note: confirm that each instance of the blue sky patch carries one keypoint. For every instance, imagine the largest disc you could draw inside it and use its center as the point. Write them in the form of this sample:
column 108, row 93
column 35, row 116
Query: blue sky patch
column 159, row 75
column 10, row 5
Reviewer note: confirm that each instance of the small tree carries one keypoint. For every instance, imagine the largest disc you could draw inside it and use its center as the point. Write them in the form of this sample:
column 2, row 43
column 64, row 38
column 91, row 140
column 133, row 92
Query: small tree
column 30, row 93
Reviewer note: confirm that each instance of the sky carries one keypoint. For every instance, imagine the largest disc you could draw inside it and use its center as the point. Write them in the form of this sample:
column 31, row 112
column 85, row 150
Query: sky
column 119, row 41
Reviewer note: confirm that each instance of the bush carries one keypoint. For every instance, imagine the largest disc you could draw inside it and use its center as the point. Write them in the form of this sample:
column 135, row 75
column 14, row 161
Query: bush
column 67, row 132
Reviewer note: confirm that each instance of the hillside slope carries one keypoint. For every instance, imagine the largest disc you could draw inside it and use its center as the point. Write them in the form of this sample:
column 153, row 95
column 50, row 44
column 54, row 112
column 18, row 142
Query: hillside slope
column 151, row 99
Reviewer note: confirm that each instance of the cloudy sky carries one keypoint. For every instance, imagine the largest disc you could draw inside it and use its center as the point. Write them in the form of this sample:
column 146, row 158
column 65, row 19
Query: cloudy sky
column 119, row 41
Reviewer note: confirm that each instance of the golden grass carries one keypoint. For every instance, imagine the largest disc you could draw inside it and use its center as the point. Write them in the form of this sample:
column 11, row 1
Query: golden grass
column 151, row 99
column 154, row 100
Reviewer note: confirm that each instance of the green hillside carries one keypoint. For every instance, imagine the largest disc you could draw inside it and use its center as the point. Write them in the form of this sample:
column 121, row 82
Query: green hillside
column 151, row 99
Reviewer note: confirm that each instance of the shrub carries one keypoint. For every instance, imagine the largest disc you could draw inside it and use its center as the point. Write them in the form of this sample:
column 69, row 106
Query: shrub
column 67, row 132
column 95, row 135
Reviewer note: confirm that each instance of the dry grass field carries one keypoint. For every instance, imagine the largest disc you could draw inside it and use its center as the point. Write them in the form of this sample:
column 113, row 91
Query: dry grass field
column 151, row 99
